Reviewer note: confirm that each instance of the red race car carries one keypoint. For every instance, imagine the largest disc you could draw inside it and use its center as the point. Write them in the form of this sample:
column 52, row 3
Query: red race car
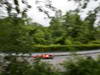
column 44, row 56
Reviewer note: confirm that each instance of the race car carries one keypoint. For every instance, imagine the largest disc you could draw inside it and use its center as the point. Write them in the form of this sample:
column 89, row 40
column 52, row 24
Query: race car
column 44, row 56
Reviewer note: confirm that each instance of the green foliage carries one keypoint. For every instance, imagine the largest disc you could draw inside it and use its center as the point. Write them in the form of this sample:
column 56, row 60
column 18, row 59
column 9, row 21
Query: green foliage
column 77, row 29
column 54, row 48
column 43, row 68
column 22, row 67
column 95, row 42
column 57, row 31
column 67, row 31
column 64, row 34
column 69, row 41
column 78, row 66
column 13, row 35
column 97, row 33
column 82, row 66
column 16, row 67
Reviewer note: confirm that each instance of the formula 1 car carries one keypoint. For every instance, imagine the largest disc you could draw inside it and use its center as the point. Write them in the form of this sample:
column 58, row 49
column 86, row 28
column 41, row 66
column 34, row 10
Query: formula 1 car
column 44, row 56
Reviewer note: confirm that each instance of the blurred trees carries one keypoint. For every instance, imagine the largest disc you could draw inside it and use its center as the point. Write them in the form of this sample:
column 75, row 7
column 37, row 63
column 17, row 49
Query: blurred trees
column 78, row 66
column 16, row 67
column 13, row 9
column 23, row 67
column 82, row 66
column 57, row 30
column 20, row 34
column 43, row 68
column 13, row 35
column 71, row 27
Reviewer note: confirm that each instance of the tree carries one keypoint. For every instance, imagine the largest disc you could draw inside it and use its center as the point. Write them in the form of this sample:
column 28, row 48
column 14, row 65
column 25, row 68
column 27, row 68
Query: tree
column 9, row 7
column 82, row 66
column 43, row 68
column 79, row 30
column 13, row 35
column 57, row 30
column 22, row 67
column 73, row 26
column 16, row 67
